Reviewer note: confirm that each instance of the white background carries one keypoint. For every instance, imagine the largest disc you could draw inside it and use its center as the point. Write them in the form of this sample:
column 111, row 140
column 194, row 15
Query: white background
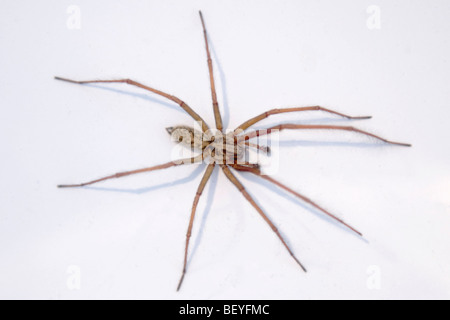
column 125, row 238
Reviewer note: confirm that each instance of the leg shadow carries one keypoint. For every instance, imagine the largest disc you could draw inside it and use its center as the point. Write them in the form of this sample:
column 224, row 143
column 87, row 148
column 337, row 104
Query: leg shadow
column 189, row 178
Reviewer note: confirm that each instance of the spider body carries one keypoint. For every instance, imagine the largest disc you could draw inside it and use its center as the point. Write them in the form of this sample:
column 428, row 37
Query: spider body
column 228, row 150
column 221, row 148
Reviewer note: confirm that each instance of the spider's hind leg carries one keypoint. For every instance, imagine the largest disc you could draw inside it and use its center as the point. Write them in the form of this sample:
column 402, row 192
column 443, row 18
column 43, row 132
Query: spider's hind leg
column 247, row 196
column 257, row 172
column 202, row 185
column 291, row 126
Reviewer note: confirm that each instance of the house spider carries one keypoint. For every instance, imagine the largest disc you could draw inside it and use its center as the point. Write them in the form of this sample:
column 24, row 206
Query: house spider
column 228, row 150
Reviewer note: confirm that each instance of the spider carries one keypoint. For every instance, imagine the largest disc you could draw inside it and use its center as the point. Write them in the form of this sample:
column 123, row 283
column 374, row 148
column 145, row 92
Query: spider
column 228, row 150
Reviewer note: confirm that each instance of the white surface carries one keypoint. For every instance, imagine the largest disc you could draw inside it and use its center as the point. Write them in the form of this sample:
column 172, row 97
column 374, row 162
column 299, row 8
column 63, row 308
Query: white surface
column 126, row 237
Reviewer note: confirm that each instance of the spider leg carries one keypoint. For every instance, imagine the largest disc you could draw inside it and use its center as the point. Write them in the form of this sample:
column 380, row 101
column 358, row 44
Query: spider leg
column 266, row 114
column 241, row 188
column 257, row 172
column 181, row 103
column 264, row 149
column 127, row 173
column 280, row 127
column 202, row 185
column 217, row 116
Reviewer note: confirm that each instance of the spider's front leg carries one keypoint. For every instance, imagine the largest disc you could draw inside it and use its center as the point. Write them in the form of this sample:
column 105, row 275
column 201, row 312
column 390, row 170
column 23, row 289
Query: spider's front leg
column 178, row 101
column 196, row 159
column 217, row 115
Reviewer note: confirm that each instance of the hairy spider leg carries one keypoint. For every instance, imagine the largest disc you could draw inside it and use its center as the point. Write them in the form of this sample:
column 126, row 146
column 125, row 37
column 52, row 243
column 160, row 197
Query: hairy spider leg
column 264, row 149
column 266, row 114
column 178, row 101
column 196, row 159
column 290, row 126
column 257, row 172
column 200, row 189
column 217, row 116
column 247, row 196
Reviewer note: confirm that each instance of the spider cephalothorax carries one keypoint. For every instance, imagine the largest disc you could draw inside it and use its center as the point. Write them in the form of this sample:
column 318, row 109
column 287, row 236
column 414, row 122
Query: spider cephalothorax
column 223, row 148
column 228, row 150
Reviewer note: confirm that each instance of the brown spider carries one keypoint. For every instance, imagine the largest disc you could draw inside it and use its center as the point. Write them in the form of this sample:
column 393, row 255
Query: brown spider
column 227, row 150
